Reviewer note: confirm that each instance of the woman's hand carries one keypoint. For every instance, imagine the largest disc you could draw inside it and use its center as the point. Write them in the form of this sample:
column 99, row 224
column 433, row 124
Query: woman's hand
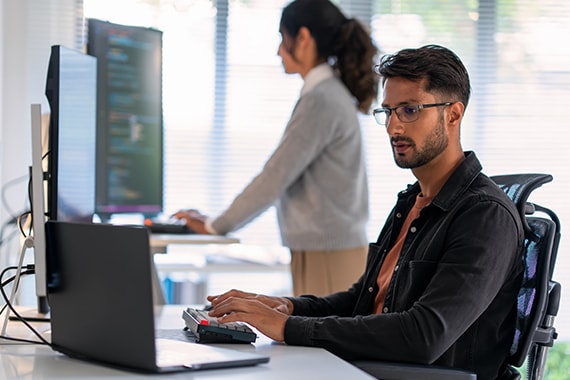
column 194, row 220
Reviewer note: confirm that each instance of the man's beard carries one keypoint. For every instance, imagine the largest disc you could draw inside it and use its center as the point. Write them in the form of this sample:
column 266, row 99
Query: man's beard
column 434, row 145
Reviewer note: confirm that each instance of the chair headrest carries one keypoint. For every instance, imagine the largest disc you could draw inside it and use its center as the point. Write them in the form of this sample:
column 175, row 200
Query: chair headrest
column 518, row 187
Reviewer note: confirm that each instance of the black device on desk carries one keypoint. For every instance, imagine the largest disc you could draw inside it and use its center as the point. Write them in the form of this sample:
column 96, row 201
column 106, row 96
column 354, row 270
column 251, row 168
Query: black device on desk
column 170, row 226
column 208, row 330
column 120, row 328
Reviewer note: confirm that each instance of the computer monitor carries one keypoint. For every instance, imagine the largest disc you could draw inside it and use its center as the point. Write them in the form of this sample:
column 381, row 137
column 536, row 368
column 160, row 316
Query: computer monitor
column 71, row 89
column 129, row 118
column 68, row 185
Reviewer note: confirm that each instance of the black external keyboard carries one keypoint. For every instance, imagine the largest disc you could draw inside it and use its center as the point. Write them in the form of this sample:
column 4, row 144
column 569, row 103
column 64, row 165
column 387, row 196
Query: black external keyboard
column 209, row 330
column 167, row 227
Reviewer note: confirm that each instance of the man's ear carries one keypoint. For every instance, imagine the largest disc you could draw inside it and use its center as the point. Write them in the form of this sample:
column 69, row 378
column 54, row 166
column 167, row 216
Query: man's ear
column 455, row 113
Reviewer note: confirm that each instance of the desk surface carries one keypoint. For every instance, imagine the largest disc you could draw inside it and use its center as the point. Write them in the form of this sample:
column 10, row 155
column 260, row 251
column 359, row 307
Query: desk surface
column 165, row 239
column 27, row 362
column 159, row 242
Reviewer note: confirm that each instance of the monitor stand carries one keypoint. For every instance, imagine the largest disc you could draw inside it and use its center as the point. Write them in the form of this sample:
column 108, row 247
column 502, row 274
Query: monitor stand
column 30, row 314
column 37, row 315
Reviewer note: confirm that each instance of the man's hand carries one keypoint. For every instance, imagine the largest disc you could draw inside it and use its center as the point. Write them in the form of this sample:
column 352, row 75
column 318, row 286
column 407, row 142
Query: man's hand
column 265, row 313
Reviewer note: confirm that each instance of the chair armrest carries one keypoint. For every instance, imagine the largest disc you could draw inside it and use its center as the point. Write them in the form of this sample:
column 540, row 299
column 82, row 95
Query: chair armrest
column 401, row 371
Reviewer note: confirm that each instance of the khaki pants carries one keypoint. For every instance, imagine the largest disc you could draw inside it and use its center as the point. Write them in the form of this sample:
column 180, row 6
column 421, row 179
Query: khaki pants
column 321, row 273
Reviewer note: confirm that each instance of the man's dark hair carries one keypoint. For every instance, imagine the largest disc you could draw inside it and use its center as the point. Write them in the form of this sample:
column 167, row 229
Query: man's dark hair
column 442, row 69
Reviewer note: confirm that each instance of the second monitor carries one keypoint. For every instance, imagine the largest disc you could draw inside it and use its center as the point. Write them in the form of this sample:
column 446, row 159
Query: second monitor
column 129, row 118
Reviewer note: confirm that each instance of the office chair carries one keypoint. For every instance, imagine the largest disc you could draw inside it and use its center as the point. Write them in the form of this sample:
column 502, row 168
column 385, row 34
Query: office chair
column 539, row 297
column 538, row 300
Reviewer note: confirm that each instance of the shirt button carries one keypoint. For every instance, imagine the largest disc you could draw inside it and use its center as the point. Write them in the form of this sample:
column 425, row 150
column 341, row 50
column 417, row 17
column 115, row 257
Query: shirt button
column 398, row 215
column 370, row 289
column 413, row 229
column 385, row 310
column 396, row 268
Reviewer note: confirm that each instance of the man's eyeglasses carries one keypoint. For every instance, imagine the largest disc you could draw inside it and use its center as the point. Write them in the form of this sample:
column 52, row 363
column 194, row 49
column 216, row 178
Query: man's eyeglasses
column 406, row 113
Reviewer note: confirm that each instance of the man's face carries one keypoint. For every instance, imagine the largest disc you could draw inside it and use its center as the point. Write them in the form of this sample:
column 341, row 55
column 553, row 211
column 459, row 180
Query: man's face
column 416, row 143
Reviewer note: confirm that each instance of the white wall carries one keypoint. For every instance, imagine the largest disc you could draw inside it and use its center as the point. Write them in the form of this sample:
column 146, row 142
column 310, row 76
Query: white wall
column 28, row 28
column 2, row 23
column 15, row 150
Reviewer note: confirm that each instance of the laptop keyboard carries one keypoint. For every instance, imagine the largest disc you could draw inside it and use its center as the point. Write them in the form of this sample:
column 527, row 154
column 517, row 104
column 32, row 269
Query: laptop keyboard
column 208, row 330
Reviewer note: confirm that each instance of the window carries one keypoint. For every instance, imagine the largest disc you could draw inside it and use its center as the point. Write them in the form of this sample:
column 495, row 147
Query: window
column 227, row 100
column 520, row 71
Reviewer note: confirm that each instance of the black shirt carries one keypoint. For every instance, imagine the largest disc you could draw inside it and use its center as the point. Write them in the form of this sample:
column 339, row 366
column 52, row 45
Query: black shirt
column 452, row 297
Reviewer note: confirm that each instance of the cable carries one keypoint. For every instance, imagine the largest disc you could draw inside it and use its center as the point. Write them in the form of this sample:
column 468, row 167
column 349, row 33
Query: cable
column 4, row 187
column 2, row 239
column 8, row 281
column 5, row 243
column 28, row 269
column 13, row 219
column 22, row 340
column 21, row 227
column 4, row 284
column 11, row 279
column 42, row 340
column 19, row 230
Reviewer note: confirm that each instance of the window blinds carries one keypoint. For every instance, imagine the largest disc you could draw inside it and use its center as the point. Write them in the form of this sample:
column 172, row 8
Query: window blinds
column 227, row 100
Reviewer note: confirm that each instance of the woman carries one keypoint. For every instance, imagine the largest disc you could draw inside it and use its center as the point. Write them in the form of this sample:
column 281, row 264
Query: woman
column 316, row 177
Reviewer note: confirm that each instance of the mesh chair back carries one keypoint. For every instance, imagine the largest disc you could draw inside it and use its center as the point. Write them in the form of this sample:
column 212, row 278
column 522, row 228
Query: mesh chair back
column 533, row 294
column 541, row 242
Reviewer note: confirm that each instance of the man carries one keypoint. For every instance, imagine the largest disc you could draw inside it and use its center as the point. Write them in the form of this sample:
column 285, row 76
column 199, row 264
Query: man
column 441, row 282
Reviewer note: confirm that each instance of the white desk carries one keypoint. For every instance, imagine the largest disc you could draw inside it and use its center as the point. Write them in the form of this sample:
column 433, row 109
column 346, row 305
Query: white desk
column 35, row 362
column 160, row 242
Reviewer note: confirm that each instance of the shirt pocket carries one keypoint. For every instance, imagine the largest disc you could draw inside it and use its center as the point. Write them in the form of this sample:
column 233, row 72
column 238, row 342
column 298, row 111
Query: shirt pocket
column 421, row 273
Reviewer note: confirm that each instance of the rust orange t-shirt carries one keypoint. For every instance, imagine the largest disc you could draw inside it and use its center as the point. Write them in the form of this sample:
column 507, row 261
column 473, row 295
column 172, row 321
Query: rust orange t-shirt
column 387, row 269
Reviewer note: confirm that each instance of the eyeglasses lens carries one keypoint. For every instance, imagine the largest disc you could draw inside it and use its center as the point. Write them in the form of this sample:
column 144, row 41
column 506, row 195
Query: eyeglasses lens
column 407, row 114
column 381, row 115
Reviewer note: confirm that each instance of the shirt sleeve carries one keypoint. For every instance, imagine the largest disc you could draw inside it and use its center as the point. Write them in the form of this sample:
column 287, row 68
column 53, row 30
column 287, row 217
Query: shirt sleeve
column 309, row 130
column 477, row 262
column 208, row 226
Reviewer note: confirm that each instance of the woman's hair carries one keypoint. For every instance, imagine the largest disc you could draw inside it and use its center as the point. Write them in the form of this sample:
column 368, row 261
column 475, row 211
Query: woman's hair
column 442, row 69
column 343, row 42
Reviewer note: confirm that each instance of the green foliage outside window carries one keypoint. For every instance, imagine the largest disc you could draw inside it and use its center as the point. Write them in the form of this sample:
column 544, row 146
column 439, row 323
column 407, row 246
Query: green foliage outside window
column 557, row 363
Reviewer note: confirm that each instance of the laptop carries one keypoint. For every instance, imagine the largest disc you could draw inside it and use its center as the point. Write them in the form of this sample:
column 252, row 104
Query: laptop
column 100, row 296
